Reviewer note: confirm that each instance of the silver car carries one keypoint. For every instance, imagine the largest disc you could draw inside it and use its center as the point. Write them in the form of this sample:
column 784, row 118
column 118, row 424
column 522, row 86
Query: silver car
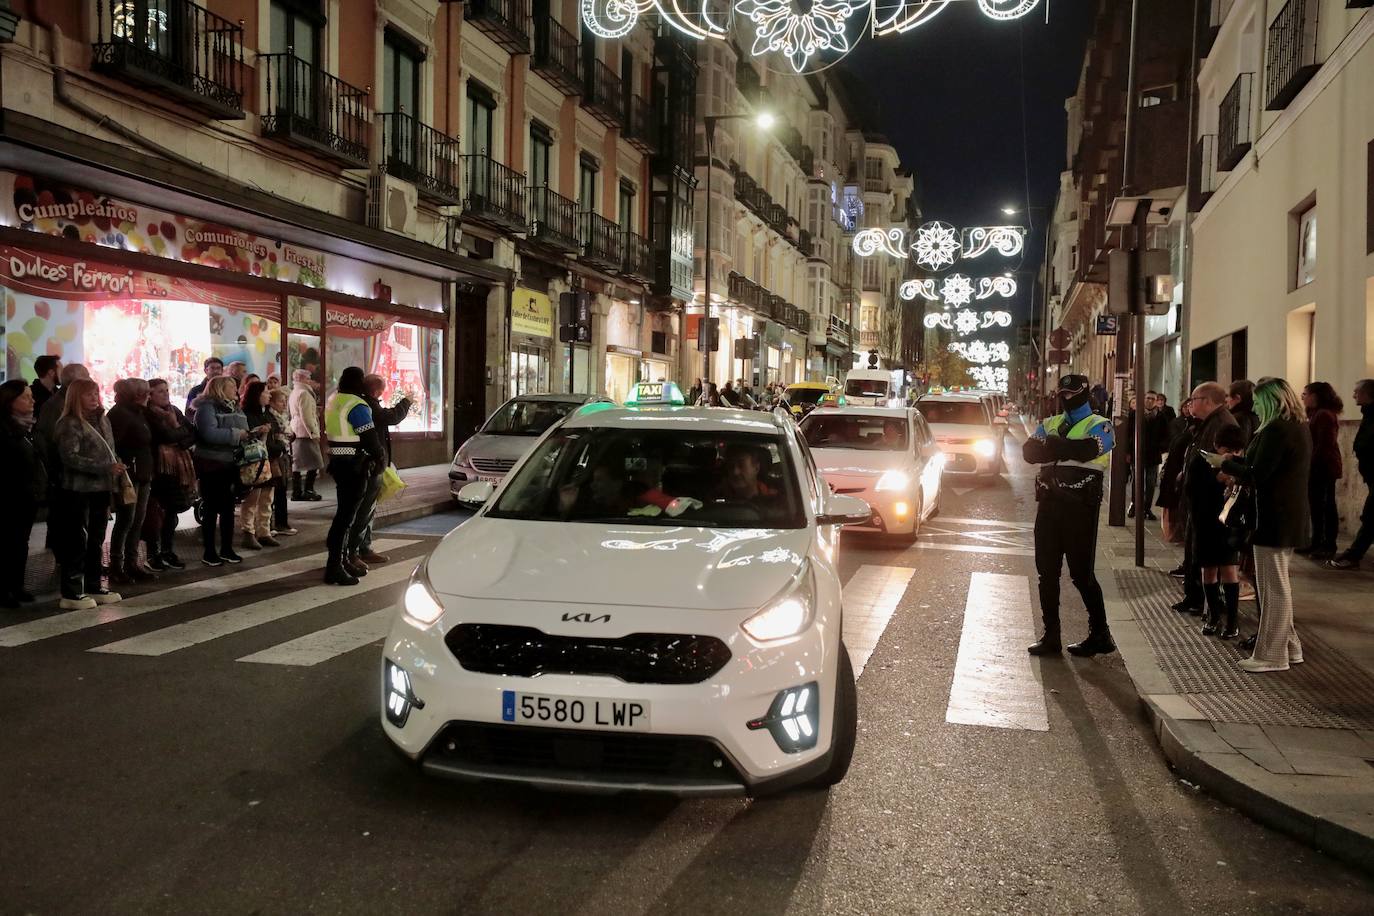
column 508, row 434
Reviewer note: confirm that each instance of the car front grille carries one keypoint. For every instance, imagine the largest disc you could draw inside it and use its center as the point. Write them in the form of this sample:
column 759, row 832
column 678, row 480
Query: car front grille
column 569, row 752
column 492, row 465
column 640, row 658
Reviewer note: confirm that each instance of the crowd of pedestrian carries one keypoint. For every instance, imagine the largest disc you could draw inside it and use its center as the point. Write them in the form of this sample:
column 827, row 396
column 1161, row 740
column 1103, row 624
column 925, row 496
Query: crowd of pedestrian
column 1248, row 479
column 143, row 462
column 738, row 393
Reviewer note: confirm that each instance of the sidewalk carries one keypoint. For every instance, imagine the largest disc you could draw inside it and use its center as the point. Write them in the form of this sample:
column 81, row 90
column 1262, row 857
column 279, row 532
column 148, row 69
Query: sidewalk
column 426, row 493
column 1294, row 749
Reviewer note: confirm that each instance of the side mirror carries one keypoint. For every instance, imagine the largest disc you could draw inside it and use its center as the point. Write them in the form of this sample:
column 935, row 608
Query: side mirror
column 841, row 509
column 475, row 495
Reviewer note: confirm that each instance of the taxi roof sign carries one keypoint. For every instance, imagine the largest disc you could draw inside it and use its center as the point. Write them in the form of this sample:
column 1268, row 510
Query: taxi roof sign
column 646, row 393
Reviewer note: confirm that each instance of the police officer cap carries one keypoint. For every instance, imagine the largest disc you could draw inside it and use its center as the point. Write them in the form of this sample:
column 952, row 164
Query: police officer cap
column 1071, row 385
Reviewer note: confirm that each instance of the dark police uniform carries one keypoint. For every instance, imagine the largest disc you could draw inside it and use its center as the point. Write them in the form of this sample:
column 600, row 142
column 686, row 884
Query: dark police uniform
column 1073, row 450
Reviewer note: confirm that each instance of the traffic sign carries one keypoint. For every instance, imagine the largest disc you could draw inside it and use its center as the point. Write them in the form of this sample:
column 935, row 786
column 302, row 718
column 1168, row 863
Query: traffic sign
column 1058, row 357
column 1059, row 338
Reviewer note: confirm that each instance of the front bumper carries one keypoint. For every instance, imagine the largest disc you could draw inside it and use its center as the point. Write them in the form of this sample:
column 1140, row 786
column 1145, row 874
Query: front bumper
column 698, row 741
column 894, row 511
column 962, row 459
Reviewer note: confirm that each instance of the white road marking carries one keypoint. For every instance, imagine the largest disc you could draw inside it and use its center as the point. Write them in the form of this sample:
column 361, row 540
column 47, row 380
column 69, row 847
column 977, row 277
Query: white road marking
column 994, row 682
column 204, row 629
column 322, row 645
column 986, row 522
column 870, row 597
column 72, row 621
column 970, row 548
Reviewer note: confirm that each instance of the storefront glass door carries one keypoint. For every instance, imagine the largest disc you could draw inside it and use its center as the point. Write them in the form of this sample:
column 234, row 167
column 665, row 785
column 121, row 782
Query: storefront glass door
column 529, row 370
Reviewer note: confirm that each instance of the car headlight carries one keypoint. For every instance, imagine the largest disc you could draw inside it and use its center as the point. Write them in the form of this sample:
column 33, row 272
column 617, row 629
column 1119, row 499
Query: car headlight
column 894, row 480
column 422, row 607
column 985, row 448
column 786, row 615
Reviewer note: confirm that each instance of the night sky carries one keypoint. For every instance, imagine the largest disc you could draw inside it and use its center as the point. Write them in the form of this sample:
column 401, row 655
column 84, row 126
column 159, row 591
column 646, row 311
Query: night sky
column 948, row 95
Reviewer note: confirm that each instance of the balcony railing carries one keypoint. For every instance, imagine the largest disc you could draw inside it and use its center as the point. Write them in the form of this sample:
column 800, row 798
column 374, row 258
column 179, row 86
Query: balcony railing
column 506, row 22
column 601, row 242
column 553, row 220
column 175, row 46
column 1233, row 123
column 804, row 321
column 1292, row 52
column 557, row 55
column 640, row 126
column 638, row 257
column 311, row 108
column 1216, row 15
column 748, row 293
column 748, row 82
column 776, row 216
column 777, row 307
column 1205, row 155
column 840, row 331
column 602, row 94
column 868, row 340
column 804, row 244
column 493, row 193
column 808, row 161
column 425, row 157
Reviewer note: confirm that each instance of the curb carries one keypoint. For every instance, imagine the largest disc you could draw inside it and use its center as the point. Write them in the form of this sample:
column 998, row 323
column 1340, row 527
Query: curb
column 1221, row 769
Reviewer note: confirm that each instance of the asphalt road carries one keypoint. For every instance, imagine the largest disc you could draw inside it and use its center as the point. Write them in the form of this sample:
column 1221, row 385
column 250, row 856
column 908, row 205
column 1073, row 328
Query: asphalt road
column 187, row 780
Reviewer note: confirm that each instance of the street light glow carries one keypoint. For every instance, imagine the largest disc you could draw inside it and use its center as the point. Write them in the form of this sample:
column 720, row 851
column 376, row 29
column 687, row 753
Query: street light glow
column 1009, row 211
column 765, row 120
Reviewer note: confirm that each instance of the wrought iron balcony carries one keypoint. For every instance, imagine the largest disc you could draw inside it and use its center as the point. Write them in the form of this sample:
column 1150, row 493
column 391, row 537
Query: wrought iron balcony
column 175, row 46
column 638, row 257
column 804, row 321
column 1233, row 123
column 804, row 243
column 1205, row 157
column 840, row 331
column 425, row 157
column 602, row 94
column 493, row 193
column 1292, row 54
column 775, row 215
column 311, row 108
column 557, row 55
column 553, row 220
column 792, row 142
column 601, row 242
column 506, row 22
column 777, row 307
column 808, row 161
column 747, row 293
column 641, row 128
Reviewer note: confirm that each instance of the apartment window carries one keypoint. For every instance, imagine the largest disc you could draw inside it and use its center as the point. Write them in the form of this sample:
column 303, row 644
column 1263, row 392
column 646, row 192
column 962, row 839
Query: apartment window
column 586, row 183
column 295, row 26
column 541, row 152
column 1306, row 259
column 401, row 60
column 873, row 169
column 481, row 115
column 1158, row 95
column 626, row 207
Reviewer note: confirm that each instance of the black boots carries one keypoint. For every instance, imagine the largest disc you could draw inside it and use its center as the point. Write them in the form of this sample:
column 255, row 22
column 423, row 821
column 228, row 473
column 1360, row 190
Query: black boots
column 1212, row 591
column 304, row 489
column 1231, row 591
column 1048, row 644
column 296, row 486
column 1099, row 643
column 335, row 573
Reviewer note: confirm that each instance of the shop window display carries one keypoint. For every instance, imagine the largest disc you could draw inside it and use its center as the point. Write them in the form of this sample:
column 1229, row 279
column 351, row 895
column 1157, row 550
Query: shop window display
column 410, row 357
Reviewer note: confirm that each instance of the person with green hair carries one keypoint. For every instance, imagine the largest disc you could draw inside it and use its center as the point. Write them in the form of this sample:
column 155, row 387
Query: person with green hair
column 1275, row 468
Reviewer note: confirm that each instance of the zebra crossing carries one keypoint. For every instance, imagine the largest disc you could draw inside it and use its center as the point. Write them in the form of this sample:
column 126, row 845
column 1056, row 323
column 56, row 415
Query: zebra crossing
column 995, row 683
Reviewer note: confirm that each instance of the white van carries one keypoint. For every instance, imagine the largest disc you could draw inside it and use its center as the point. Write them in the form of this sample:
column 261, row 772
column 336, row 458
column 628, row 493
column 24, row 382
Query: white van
column 869, row 388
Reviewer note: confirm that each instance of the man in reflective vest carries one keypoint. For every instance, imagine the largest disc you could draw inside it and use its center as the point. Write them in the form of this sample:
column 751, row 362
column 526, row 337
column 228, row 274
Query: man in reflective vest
column 355, row 454
column 1073, row 450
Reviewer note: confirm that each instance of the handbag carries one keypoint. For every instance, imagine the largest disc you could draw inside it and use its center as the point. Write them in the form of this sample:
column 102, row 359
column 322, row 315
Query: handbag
column 123, row 493
column 255, row 469
column 392, row 484
column 1238, row 515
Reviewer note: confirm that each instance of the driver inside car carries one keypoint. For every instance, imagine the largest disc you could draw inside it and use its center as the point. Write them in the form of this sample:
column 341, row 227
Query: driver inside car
column 740, row 476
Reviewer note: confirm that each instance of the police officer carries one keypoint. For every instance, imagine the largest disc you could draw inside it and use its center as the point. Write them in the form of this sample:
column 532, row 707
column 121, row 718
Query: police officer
column 355, row 454
column 1073, row 450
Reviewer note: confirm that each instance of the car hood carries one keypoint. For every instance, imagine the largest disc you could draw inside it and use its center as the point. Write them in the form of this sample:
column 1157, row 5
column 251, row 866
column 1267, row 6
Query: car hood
column 485, row 445
column 857, row 462
column 584, row 563
column 961, row 431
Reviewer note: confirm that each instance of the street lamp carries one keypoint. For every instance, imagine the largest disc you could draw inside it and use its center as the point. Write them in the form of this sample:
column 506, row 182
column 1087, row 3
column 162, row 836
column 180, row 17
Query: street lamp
column 763, row 120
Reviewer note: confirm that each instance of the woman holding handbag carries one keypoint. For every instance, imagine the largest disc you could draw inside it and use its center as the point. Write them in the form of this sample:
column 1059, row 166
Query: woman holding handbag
column 277, row 405
column 174, row 473
column 91, row 472
column 220, row 429
column 255, row 513
column 133, row 440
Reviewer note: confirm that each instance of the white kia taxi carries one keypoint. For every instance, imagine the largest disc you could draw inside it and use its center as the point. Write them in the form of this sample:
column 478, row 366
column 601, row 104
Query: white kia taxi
column 968, row 432
column 649, row 601
column 887, row 457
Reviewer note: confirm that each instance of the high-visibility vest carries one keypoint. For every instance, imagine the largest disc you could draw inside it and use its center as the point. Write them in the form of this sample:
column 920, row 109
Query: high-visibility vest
column 343, row 438
column 1081, row 430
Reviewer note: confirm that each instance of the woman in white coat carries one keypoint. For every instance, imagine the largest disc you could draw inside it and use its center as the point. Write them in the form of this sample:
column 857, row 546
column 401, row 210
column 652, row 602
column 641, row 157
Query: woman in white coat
column 306, row 456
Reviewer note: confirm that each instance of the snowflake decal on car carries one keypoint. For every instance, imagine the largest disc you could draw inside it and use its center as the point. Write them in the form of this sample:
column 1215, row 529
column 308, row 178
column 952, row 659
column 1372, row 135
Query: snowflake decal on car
column 958, row 290
column 797, row 28
column 937, row 245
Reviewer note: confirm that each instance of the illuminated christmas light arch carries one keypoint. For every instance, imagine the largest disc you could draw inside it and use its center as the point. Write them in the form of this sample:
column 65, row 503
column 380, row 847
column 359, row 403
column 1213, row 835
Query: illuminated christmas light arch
column 795, row 28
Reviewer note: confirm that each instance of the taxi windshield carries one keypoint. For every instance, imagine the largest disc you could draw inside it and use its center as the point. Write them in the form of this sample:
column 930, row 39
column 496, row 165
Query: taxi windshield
column 965, row 412
column 801, row 395
column 880, row 434
column 656, row 477
column 527, row 417
column 865, row 388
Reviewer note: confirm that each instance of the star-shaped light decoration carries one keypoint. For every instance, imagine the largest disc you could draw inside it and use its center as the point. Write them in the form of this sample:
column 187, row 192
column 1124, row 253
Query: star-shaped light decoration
column 937, row 245
column 797, row 28
column 957, row 290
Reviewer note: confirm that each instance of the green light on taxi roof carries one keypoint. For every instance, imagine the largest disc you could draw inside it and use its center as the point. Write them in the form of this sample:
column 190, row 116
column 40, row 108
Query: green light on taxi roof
column 646, row 393
column 594, row 407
